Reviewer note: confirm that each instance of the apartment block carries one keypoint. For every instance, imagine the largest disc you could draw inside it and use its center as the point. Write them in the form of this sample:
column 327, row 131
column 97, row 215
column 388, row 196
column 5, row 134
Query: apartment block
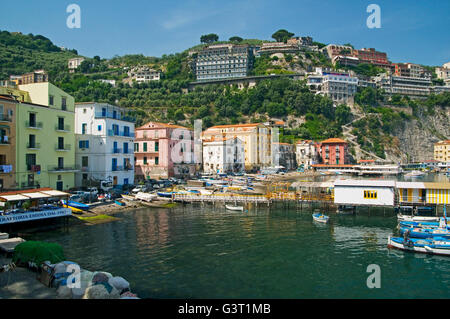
column 223, row 155
column 339, row 86
column 104, row 144
column 223, row 61
column 442, row 151
column 7, row 142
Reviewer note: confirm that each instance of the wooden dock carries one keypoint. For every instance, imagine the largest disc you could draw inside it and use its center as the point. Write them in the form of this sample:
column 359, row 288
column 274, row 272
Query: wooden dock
column 221, row 198
column 8, row 245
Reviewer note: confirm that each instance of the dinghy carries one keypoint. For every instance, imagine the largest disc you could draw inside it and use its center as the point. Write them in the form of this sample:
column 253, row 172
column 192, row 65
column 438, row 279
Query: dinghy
column 236, row 208
column 321, row 218
column 119, row 202
column 75, row 204
column 436, row 246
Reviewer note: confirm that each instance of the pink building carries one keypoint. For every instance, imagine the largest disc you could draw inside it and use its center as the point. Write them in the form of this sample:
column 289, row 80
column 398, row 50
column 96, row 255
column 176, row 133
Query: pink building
column 333, row 151
column 163, row 150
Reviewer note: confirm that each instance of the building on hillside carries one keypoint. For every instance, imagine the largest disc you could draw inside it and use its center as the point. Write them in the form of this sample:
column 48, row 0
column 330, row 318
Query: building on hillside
column 223, row 156
column 283, row 154
column 164, row 150
column 111, row 82
column 372, row 56
column 45, row 140
column 256, row 137
column 37, row 76
column 279, row 47
column 410, row 70
column 74, row 63
column 442, row 151
column 334, row 151
column 339, row 86
column 223, row 61
column 443, row 73
column 104, row 144
column 402, row 85
column 307, row 153
column 303, row 43
column 334, row 50
column 345, row 60
column 7, row 142
column 144, row 74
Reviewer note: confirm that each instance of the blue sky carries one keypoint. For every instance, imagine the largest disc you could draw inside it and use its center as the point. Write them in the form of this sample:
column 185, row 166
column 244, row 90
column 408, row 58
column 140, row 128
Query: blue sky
column 411, row 31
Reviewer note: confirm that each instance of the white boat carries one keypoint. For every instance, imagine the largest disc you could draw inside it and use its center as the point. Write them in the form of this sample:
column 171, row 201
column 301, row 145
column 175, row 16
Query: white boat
column 236, row 208
column 128, row 197
column 146, row 197
column 321, row 218
column 415, row 174
column 409, row 218
column 420, row 246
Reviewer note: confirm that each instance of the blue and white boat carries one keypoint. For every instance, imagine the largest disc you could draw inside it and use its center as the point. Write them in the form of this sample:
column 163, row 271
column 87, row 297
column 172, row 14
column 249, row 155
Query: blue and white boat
column 419, row 224
column 77, row 205
column 435, row 246
column 321, row 218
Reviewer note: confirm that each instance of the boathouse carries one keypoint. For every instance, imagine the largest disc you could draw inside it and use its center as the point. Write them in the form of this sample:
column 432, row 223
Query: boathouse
column 364, row 192
column 423, row 193
column 30, row 205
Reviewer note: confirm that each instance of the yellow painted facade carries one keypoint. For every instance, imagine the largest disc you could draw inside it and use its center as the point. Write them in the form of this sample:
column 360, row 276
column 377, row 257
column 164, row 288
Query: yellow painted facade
column 442, row 151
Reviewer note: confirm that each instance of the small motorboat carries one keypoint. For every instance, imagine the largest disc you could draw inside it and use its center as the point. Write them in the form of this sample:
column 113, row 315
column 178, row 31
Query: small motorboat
column 75, row 204
column 146, row 197
column 415, row 174
column 425, row 232
column 321, row 218
column 236, row 208
column 413, row 224
column 411, row 218
column 128, row 197
column 74, row 210
column 436, row 246
column 119, row 202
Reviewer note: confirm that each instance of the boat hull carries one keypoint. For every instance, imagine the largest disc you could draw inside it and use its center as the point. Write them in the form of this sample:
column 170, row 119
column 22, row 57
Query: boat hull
column 119, row 203
column 320, row 218
column 407, row 218
column 425, row 232
column 397, row 243
column 235, row 208
column 76, row 205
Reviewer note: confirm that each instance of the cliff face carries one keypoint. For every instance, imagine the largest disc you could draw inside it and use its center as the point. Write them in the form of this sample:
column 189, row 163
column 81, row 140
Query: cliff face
column 416, row 140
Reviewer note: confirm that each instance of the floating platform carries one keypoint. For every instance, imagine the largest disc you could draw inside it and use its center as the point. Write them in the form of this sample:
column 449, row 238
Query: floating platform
column 8, row 245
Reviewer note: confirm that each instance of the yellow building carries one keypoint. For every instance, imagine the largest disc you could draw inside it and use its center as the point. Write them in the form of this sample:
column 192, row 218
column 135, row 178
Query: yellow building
column 256, row 137
column 442, row 151
column 423, row 193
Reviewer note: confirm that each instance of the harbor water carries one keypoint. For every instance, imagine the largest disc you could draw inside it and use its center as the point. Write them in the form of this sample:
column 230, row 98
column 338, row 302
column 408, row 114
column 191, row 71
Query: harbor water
column 196, row 251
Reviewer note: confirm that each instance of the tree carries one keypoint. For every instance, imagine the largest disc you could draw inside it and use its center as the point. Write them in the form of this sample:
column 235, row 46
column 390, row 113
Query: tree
column 236, row 39
column 209, row 38
column 282, row 35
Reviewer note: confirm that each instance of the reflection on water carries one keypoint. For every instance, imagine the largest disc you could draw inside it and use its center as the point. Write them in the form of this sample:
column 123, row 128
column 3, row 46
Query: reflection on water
column 199, row 252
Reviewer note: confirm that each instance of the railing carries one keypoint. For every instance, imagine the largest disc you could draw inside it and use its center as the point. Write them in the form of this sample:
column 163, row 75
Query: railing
column 117, row 168
column 65, row 147
column 35, row 125
column 120, row 133
column 117, row 150
column 61, row 168
column 33, row 168
column 5, row 168
column 5, row 118
column 34, row 146
column 62, row 128
column 110, row 115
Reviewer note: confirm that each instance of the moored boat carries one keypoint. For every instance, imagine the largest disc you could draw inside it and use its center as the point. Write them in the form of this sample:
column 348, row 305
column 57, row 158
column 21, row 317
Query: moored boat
column 425, row 232
column 235, row 208
column 128, row 197
column 321, row 218
column 74, row 210
column 411, row 218
column 75, row 204
column 436, row 246
column 119, row 202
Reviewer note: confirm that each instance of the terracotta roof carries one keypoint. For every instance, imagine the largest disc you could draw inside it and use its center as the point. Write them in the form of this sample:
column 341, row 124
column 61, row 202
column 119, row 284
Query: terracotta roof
column 146, row 126
column 236, row 125
column 445, row 142
column 333, row 140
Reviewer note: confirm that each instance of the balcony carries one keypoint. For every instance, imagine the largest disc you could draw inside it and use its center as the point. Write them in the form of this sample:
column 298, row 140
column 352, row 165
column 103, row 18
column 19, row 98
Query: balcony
column 4, row 140
column 5, row 118
column 33, row 168
column 116, row 150
column 34, row 125
column 34, row 146
column 62, row 128
column 121, row 133
column 62, row 169
column 117, row 168
column 63, row 148
column 6, row 168
column 117, row 116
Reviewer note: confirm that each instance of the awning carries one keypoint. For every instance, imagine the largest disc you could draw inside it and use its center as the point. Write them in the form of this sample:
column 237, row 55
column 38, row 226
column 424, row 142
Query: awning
column 55, row 193
column 11, row 198
column 37, row 195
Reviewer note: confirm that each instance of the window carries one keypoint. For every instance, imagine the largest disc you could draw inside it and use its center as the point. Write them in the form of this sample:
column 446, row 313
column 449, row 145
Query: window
column 60, row 162
column 157, row 147
column 156, row 160
column 125, row 148
column 145, row 160
column 83, row 144
column 60, row 143
column 84, row 128
column 145, row 147
column 136, row 147
column 85, row 161
column 32, row 120
column 370, row 195
column 32, row 141
column 63, row 103
column 51, row 100
column 99, row 128
column 61, row 123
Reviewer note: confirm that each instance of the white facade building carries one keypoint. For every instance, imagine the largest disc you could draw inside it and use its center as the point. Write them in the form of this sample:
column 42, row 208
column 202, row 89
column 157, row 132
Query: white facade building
column 104, row 144
column 74, row 63
column 223, row 156
column 144, row 74
column 364, row 192
column 306, row 153
column 339, row 86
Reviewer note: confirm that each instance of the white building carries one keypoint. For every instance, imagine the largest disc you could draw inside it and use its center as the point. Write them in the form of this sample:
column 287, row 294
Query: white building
column 444, row 73
column 221, row 155
column 339, row 86
column 74, row 63
column 364, row 192
column 144, row 74
column 306, row 153
column 104, row 144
